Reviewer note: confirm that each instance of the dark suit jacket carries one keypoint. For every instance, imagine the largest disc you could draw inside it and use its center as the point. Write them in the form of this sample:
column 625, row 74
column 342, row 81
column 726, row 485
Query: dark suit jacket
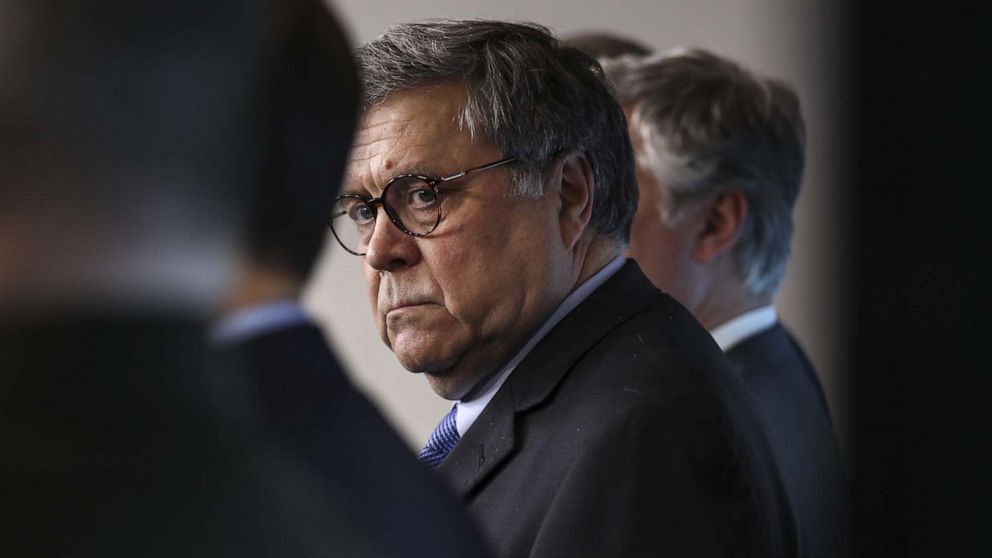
column 397, row 502
column 783, row 381
column 110, row 448
column 624, row 433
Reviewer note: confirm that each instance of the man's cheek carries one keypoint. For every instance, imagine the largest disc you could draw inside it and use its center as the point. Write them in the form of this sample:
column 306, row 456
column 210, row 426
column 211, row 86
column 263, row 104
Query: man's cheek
column 372, row 286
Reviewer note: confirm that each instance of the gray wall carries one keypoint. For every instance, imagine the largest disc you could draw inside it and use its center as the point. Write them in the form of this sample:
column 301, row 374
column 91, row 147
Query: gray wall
column 799, row 41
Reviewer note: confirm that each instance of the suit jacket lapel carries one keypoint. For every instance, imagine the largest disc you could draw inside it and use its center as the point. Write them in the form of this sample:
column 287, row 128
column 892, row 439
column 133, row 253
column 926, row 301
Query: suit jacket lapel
column 490, row 440
column 486, row 444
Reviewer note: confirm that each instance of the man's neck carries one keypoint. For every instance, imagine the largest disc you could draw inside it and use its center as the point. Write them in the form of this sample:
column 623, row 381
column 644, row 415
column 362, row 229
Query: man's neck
column 600, row 252
column 727, row 305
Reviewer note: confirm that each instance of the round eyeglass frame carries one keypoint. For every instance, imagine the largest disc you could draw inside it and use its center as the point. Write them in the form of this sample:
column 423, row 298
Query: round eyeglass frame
column 433, row 181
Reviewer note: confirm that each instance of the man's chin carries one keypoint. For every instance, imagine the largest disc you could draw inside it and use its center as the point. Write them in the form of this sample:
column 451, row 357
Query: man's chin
column 441, row 375
column 446, row 370
column 447, row 386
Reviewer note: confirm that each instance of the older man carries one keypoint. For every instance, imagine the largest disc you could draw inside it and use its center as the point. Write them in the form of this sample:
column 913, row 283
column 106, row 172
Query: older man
column 489, row 195
column 720, row 158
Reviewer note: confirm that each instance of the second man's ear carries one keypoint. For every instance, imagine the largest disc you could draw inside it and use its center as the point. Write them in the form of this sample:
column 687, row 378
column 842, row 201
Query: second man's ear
column 722, row 222
column 573, row 179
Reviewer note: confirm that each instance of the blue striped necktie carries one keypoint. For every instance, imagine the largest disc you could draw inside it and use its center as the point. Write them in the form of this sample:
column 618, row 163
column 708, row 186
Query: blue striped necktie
column 442, row 440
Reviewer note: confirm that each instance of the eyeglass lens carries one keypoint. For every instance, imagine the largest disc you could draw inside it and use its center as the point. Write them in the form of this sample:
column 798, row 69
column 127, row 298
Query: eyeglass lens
column 410, row 202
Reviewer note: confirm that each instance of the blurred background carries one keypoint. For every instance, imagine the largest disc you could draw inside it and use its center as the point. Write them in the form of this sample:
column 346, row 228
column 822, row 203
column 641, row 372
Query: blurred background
column 799, row 41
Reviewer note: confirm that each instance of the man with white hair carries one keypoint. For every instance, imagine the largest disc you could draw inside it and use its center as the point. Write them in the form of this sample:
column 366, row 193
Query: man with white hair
column 719, row 165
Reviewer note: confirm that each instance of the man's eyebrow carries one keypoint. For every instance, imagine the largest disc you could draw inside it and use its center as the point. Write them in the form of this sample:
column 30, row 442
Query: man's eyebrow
column 416, row 169
column 416, row 165
column 419, row 169
column 347, row 190
column 354, row 188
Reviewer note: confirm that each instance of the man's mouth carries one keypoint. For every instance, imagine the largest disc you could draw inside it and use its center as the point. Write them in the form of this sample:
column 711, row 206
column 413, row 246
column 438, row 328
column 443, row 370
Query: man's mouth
column 405, row 304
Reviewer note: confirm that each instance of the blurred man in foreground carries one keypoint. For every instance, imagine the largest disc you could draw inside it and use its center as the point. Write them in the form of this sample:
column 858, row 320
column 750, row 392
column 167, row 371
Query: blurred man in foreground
column 489, row 197
column 131, row 135
column 265, row 336
column 720, row 160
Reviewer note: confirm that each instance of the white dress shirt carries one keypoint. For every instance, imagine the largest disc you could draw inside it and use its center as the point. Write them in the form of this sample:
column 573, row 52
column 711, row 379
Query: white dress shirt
column 468, row 411
column 743, row 326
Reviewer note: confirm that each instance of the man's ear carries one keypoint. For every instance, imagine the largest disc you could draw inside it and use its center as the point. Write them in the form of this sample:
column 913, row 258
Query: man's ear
column 722, row 222
column 575, row 196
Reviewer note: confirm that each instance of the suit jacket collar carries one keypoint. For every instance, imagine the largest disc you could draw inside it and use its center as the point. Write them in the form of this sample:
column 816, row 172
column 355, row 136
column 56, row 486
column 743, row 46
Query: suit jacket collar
column 763, row 346
column 490, row 440
column 776, row 348
column 258, row 320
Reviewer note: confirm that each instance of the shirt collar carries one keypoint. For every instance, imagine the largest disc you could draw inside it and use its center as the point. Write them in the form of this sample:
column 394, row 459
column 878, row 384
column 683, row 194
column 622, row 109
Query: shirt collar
column 468, row 411
column 257, row 320
column 743, row 326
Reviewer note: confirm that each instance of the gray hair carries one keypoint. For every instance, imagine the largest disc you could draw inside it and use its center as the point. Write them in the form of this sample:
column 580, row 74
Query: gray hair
column 531, row 97
column 709, row 125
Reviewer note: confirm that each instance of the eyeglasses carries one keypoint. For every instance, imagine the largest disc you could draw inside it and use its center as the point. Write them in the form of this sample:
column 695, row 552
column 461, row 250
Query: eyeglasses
column 412, row 202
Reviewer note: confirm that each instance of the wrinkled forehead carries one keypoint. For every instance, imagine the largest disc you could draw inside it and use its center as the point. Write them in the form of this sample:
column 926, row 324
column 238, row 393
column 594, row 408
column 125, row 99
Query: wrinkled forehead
column 415, row 131
column 388, row 132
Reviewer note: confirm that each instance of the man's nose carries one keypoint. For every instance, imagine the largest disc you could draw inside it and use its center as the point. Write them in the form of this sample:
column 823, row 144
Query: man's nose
column 389, row 248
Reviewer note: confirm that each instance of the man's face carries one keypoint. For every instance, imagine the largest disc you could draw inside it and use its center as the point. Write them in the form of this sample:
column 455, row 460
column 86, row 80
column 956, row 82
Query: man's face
column 664, row 252
column 457, row 303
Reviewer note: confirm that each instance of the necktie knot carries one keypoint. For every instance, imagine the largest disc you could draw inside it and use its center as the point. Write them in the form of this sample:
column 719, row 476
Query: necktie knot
column 442, row 440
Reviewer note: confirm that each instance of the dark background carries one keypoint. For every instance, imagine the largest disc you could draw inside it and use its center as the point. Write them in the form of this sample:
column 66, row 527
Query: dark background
column 920, row 96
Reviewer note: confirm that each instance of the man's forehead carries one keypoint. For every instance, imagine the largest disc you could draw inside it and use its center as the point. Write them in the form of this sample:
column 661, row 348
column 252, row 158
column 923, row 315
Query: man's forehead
column 436, row 106
column 405, row 119
column 412, row 131
column 387, row 144
column 375, row 133
column 397, row 126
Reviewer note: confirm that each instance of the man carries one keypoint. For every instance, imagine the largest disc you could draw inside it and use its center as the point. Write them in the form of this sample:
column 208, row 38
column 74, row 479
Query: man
column 489, row 196
column 720, row 158
column 129, row 134
column 264, row 335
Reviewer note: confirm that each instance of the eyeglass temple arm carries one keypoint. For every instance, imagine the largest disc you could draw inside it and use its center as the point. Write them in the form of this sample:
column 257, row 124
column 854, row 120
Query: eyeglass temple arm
column 477, row 169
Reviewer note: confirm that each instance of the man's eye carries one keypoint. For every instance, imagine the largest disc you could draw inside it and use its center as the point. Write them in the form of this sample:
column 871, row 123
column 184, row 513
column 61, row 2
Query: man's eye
column 361, row 213
column 422, row 198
